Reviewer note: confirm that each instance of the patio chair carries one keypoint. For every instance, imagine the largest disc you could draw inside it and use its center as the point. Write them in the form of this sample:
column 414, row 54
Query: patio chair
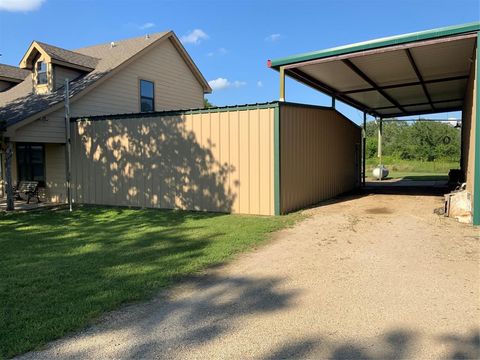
column 28, row 189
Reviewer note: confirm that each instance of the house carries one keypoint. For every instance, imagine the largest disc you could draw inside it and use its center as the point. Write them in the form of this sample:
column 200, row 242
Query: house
column 144, row 74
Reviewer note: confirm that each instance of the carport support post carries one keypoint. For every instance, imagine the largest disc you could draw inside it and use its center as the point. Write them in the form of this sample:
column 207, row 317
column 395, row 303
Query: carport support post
column 380, row 130
column 282, row 84
column 364, row 147
column 476, row 169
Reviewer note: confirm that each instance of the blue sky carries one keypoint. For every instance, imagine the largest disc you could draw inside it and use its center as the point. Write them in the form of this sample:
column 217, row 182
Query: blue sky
column 229, row 40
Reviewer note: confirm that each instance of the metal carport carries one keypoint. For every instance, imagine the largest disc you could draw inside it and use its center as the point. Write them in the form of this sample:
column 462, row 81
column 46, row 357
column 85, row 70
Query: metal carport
column 425, row 72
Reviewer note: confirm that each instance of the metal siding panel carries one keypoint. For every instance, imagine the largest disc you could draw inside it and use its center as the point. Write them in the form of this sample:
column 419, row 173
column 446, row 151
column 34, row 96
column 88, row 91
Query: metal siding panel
column 317, row 155
column 205, row 161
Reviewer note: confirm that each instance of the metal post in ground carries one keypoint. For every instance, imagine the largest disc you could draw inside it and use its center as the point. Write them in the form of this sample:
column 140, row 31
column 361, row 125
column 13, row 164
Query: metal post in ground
column 68, row 159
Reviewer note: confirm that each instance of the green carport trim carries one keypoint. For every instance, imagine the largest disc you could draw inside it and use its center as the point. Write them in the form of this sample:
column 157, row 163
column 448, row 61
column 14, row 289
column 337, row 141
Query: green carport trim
column 276, row 161
column 378, row 43
column 476, row 174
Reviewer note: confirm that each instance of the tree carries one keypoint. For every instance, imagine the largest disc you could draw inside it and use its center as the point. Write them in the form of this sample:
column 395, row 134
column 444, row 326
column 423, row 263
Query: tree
column 207, row 104
column 423, row 140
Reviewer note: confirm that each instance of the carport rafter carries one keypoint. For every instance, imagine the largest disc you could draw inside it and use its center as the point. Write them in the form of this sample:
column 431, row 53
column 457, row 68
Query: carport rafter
column 419, row 104
column 373, row 84
column 420, row 77
column 310, row 81
column 414, row 83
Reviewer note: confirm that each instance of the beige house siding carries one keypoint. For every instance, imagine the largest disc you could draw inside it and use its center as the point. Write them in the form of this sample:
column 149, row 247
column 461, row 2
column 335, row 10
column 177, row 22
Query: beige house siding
column 317, row 155
column 60, row 73
column 468, row 128
column 215, row 161
column 55, row 172
column 176, row 87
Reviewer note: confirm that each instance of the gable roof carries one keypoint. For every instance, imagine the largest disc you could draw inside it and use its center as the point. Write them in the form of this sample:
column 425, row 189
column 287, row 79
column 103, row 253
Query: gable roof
column 20, row 103
column 12, row 73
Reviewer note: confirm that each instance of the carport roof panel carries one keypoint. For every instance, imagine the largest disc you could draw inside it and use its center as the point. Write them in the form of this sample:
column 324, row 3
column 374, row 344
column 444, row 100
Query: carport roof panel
column 378, row 43
column 395, row 76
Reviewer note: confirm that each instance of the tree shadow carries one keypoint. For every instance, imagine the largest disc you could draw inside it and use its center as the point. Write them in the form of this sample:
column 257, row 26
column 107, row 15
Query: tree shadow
column 175, row 320
column 157, row 162
column 464, row 347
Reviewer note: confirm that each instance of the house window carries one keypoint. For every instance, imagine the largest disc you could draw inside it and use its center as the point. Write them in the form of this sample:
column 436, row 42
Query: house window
column 31, row 162
column 147, row 95
column 41, row 72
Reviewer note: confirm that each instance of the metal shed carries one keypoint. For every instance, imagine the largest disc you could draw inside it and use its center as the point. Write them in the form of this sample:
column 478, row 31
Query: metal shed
column 425, row 72
column 264, row 159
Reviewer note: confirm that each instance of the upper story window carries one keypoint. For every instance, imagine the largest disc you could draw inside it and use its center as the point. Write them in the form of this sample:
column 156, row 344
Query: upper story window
column 147, row 96
column 41, row 72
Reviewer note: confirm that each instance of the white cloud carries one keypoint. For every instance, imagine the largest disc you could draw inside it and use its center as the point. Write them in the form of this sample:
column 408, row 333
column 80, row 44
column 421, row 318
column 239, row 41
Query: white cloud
column 273, row 37
column 194, row 37
column 20, row 5
column 259, row 83
column 147, row 25
column 222, row 83
column 219, row 51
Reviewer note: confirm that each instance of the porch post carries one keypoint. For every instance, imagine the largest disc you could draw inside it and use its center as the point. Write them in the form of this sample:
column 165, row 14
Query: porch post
column 8, row 175
column 282, row 84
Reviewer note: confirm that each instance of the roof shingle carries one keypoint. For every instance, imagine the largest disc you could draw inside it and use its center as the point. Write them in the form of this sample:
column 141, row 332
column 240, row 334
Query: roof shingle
column 13, row 72
column 19, row 102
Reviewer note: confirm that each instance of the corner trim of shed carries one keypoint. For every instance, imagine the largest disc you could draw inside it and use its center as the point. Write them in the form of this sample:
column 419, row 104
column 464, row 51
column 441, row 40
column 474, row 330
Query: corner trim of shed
column 276, row 162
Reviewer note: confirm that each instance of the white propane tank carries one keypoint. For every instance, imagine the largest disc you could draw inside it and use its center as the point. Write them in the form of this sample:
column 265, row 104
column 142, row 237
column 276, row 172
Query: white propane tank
column 380, row 172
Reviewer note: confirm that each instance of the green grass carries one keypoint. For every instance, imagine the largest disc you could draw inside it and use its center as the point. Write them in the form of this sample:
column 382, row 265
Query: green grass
column 61, row 270
column 414, row 169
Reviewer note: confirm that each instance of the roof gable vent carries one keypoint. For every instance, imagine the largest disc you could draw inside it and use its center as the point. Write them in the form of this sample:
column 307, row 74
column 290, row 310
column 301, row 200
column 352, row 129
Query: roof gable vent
column 112, row 44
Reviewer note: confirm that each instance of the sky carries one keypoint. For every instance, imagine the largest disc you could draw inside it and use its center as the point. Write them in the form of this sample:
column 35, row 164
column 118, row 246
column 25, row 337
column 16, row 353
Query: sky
column 230, row 41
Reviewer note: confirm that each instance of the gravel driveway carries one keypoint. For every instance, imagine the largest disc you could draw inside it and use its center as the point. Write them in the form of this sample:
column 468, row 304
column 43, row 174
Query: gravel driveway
column 370, row 277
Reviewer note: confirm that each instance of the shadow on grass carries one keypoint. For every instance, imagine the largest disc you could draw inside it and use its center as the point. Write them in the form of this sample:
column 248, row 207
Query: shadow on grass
column 60, row 270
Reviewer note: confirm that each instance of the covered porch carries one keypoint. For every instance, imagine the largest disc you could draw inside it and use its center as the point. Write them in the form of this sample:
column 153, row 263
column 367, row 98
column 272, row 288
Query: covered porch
column 42, row 164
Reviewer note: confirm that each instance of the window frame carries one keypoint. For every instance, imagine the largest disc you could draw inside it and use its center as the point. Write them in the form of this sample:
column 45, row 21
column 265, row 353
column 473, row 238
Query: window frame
column 37, row 73
column 19, row 160
column 140, row 97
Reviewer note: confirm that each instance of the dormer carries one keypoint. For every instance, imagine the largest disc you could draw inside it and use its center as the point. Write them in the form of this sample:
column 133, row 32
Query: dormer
column 51, row 65
column 11, row 76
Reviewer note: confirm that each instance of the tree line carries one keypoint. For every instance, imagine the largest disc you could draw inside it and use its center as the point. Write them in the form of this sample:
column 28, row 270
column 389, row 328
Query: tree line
column 422, row 140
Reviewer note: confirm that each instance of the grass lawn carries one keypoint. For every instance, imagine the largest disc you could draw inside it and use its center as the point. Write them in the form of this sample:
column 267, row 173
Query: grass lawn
column 413, row 170
column 61, row 270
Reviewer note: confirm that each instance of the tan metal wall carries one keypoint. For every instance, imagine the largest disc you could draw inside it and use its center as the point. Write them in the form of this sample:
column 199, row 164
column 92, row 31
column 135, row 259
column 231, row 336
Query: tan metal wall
column 468, row 128
column 317, row 147
column 216, row 161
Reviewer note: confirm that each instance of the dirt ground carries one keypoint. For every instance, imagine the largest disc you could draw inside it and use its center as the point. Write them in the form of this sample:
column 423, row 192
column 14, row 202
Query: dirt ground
column 369, row 277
